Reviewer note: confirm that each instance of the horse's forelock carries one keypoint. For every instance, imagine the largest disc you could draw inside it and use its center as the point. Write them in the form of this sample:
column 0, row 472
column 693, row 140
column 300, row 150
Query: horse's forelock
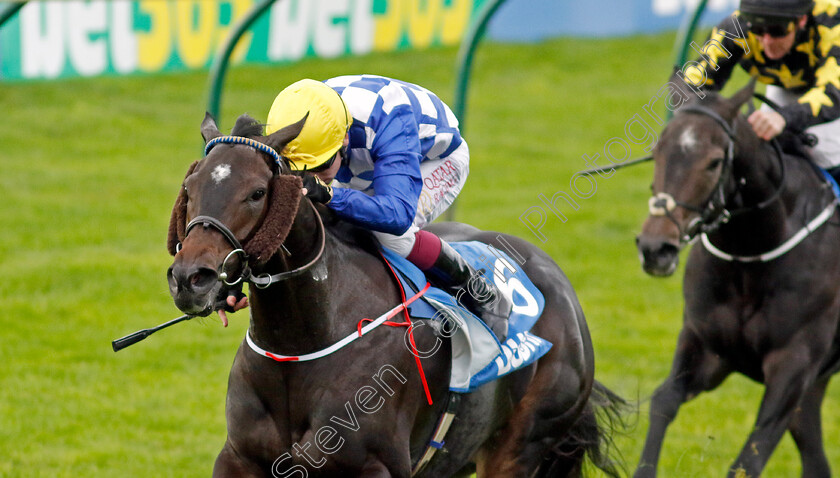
column 247, row 127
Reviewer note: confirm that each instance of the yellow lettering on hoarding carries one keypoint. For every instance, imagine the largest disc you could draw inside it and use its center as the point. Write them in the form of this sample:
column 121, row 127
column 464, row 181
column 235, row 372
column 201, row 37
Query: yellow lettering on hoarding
column 154, row 46
column 196, row 24
column 238, row 10
column 423, row 18
column 454, row 21
column 388, row 26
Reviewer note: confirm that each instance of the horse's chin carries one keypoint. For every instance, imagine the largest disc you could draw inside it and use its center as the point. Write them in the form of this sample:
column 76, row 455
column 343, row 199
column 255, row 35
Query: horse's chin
column 662, row 263
column 660, row 270
column 196, row 305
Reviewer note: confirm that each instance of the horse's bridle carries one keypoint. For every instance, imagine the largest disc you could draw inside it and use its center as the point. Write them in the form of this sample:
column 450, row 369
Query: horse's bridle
column 208, row 221
column 713, row 213
column 263, row 280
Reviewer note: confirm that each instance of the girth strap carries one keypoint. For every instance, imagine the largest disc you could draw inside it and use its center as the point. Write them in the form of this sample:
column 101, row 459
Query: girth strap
column 437, row 441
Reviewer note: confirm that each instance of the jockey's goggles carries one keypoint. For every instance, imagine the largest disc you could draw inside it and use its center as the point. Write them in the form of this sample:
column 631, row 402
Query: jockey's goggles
column 323, row 167
column 775, row 30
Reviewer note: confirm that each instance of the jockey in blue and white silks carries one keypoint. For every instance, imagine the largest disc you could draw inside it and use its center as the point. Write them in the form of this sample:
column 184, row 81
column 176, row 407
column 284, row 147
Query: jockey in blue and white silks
column 386, row 155
column 401, row 127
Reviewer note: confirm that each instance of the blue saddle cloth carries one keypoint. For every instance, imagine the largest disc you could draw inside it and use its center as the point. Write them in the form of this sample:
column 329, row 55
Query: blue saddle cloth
column 833, row 182
column 477, row 355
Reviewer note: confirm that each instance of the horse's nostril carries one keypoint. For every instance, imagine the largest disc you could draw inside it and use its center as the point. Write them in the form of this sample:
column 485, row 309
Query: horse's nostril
column 202, row 279
column 194, row 279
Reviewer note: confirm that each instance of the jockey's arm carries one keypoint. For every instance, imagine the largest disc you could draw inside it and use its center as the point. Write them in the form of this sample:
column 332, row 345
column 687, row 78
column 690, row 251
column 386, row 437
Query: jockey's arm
column 395, row 151
column 392, row 207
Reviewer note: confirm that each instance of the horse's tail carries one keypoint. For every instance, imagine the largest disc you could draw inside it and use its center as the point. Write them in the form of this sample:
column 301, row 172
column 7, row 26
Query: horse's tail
column 590, row 442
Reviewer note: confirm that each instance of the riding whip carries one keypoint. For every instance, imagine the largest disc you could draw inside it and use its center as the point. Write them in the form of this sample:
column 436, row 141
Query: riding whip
column 132, row 339
column 590, row 172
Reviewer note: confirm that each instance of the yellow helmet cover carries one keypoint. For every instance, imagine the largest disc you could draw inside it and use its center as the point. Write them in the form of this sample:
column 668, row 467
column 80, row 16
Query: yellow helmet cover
column 325, row 128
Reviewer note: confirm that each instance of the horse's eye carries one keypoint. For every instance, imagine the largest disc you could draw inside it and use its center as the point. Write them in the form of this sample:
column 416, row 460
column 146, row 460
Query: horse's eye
column 714, row 164
column 257, row 195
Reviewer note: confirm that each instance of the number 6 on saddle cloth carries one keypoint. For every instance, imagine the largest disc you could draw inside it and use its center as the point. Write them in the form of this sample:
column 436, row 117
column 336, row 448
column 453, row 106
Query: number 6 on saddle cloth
column 477, row 355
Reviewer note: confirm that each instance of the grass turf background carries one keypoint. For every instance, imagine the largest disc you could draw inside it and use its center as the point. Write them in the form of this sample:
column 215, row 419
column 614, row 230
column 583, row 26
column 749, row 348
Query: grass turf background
column 88, row 172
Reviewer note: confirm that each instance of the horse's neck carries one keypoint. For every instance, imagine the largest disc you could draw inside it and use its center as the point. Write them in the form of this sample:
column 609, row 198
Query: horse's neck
column 762, row 177
column 756, row 168
column 299, row 315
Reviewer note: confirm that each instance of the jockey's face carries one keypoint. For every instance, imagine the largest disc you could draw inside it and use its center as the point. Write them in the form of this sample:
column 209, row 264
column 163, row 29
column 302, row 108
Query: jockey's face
column 777, row 47
column 328, row 174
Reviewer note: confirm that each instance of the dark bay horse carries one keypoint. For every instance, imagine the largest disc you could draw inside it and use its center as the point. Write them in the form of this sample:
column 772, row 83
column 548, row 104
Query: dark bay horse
column 361, row 411
column 761, row 290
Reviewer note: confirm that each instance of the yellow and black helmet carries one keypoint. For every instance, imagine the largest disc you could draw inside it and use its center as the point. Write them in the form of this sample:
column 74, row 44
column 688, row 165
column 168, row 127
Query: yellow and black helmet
column 325, row 128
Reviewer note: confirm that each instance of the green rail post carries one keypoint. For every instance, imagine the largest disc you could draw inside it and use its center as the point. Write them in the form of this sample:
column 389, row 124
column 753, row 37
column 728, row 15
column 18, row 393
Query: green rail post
column 218, row 68
column 686, row 32
column 463, row 65
column 9, row 12
column 466, row 53
column 685, row 36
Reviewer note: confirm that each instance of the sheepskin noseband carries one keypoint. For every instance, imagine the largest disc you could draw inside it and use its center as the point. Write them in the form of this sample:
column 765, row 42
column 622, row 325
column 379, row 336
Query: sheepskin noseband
column 284, row 198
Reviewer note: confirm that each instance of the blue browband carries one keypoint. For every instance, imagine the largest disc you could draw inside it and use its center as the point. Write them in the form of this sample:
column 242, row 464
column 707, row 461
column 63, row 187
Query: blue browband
column 246, row 141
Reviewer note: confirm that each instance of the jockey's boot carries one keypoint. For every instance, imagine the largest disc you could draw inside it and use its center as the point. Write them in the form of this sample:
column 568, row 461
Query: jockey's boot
column 471, row 289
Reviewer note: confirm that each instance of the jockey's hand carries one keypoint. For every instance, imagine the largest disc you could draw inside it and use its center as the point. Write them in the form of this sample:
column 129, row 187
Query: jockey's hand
column 234, row 302
column 317, row 190
column 766, row 124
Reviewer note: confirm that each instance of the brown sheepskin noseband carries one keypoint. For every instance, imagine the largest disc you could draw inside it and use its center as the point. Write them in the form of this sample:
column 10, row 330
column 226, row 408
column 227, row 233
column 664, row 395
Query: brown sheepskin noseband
column 283, row 200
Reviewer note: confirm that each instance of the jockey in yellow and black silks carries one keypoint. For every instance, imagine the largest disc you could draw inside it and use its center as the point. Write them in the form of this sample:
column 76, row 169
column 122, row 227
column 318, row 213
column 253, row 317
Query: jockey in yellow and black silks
column 793, row 46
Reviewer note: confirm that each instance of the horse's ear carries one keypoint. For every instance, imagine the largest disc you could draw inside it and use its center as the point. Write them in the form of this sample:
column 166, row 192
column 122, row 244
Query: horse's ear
column 178, row 220
column 743, row 95
column 283, row 202
column 209, row 130
column 281, row 137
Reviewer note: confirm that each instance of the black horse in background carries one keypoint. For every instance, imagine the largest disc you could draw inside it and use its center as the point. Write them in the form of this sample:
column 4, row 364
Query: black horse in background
column 757, row 300
column 362, row 411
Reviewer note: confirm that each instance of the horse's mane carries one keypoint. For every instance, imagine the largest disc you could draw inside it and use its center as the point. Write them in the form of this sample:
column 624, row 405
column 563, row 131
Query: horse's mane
column 791, row 142
column 349, row 233
column 247, row 127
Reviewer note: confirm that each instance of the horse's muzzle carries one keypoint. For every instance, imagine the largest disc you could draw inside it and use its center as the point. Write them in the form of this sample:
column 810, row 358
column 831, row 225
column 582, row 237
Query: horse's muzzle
column 659, row 257
column 194, row 289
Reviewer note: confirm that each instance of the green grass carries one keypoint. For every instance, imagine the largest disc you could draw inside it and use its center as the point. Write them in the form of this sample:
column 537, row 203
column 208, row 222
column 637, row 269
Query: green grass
column 88, row 173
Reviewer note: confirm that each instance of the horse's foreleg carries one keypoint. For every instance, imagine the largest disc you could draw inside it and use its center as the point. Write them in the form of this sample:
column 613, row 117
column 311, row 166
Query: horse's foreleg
column 377, row 469
column 694, row 370
column 230, row 464
column 788, row 375
column 806, row 428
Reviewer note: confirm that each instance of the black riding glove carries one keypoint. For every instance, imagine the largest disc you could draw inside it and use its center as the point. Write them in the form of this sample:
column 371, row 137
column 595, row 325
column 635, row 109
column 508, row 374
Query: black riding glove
column 317, row 190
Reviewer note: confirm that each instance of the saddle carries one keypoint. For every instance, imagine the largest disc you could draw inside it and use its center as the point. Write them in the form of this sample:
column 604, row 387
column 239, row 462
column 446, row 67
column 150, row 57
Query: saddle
column 799, row 144
column 478, row 357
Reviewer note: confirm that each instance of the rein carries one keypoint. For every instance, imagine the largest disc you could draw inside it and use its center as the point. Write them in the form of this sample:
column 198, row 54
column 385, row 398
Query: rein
column 264, row 280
